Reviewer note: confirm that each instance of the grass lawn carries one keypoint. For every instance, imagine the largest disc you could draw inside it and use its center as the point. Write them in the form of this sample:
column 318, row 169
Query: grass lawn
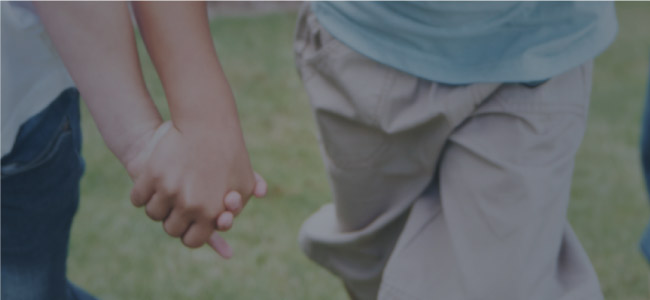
column 118, row 253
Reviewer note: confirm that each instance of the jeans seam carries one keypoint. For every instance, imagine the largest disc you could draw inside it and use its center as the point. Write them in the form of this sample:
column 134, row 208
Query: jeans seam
column 45, row 155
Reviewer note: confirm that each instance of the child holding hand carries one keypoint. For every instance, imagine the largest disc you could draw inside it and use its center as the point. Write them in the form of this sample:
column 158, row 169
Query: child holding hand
column 193, row 173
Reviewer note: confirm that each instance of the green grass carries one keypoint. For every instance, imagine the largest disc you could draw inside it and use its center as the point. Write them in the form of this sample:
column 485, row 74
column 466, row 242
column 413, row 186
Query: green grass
column 118, row 253
column 609, row 208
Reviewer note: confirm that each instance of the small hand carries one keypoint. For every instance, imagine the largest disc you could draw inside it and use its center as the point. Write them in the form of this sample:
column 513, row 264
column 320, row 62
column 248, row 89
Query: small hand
column 178, row 175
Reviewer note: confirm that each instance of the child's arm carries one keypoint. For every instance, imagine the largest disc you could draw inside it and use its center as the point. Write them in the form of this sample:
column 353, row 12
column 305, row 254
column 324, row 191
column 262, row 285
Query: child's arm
column 97, row 45
column 206, row 138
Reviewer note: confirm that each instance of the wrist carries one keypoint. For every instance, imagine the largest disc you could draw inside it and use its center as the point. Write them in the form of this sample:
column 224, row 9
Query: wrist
column 138, row 144
column 202, row 104
column 214, row 126
column 207, row 119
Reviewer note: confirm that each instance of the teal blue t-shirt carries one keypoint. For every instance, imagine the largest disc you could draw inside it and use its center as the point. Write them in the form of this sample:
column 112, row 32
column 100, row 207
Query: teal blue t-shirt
column 466, row 42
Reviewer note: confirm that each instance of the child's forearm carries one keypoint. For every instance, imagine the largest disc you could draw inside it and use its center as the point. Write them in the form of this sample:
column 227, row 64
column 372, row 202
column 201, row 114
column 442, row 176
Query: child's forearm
column 97, row 44
column 183, row 178
column 202, row 106
column 178, row 40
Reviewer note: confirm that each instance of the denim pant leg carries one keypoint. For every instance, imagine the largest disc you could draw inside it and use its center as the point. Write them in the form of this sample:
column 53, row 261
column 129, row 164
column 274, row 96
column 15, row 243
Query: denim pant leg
column 40, row 195
column 645, row 164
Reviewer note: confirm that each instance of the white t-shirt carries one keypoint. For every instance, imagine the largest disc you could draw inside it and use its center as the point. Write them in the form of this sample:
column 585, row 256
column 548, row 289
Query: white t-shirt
column 33, row 74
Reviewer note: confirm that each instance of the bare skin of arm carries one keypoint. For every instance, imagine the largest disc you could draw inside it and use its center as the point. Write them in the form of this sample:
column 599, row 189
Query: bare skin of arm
column 97, row 44
column 206, row 125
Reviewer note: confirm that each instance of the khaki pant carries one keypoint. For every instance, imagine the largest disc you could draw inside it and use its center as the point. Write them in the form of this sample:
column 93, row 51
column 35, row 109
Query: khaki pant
column 444, row 192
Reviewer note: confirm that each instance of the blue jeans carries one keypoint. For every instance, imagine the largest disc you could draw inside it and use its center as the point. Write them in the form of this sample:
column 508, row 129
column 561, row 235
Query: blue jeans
column 40, row 195
column 645, row 164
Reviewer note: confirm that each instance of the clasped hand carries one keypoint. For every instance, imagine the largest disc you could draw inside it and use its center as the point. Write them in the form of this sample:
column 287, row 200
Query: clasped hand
column 195, row 182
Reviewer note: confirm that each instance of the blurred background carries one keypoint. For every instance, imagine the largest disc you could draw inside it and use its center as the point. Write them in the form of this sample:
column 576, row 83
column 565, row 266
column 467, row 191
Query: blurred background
column 118, row 253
